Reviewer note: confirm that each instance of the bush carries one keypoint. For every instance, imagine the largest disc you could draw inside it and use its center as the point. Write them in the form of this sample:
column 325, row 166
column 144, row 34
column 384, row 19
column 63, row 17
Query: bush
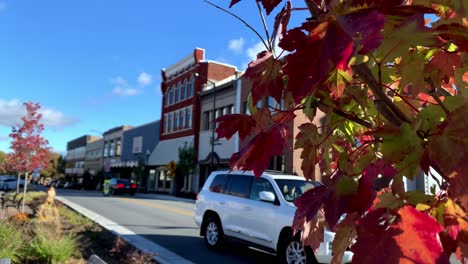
column 49, row 246
column 30, row 196
column 10, row 241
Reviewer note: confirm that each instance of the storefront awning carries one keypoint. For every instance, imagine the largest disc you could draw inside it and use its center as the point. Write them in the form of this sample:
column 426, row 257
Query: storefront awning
column 168, row 150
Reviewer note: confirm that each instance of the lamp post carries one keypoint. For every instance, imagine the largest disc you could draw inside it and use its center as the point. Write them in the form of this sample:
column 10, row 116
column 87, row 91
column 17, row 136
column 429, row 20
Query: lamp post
column 212, row 141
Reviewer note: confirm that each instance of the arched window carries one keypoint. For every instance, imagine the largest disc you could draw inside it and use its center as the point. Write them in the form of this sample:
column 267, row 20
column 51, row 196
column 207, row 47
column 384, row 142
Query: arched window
column 183, row 94
column 173, row 94
column 179, row 92
column 192, row 85
column 166, row 96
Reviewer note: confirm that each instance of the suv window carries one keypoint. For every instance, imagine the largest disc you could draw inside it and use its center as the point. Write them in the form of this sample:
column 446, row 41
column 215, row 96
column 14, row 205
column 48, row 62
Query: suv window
column 260, row 185
column 239, row 186
column 218, row 184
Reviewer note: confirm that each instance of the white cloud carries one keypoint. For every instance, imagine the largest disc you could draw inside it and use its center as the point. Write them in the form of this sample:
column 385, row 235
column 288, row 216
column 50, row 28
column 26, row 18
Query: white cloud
column 119, row 81
column 253, row 51
column 124, row 91
column 145, row 79
column 12, row 111
column 237, row 45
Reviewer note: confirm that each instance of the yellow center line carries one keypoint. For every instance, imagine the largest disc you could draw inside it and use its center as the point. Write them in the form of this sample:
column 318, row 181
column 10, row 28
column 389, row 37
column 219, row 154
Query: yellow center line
column 158, row 206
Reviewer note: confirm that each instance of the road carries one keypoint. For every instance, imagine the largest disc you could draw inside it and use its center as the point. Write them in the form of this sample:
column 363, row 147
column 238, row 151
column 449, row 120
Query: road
column 165, row 221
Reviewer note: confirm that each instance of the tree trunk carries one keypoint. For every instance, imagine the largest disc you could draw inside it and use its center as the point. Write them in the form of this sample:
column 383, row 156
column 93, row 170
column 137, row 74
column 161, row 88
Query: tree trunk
column 24, row 191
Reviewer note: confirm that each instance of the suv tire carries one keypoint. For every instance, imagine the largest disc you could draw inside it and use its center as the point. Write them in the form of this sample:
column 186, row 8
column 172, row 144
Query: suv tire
column 213, row 233
column 294, row 252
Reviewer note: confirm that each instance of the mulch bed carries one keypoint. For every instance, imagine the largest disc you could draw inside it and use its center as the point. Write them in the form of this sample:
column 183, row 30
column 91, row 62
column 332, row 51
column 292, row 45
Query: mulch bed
column 93, row 239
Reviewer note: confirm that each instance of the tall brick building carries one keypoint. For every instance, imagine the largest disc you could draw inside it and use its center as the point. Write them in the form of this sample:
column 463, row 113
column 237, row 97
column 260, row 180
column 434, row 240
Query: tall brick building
column 180, row 115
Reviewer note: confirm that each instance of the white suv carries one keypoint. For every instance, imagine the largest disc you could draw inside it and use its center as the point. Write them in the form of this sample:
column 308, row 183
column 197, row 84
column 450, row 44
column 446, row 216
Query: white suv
column 259, row 212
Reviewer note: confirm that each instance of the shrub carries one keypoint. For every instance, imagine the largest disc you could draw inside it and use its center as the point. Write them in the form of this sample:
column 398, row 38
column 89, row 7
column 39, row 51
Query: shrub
column 10, row 241
column 49, row 246
column 30, row 196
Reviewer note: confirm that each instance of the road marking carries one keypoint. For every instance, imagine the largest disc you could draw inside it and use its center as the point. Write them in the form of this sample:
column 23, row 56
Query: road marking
column 158, row 206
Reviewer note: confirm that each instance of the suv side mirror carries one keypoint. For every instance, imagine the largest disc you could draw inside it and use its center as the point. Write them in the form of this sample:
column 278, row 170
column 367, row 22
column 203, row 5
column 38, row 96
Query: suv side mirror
column 267, row 197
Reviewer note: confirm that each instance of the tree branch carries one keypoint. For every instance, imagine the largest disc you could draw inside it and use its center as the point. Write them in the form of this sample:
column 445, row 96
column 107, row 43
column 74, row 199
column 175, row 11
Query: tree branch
column 348, row 116
column 383, row 104
column 241, row 20
column 434, row 95
column 265, row 27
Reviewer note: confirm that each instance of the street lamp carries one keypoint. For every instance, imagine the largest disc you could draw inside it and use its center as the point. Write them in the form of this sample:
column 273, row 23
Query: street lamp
column 212, row 141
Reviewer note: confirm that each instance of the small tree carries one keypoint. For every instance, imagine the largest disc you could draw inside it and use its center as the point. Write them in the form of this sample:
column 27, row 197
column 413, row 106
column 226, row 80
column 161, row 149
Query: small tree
column 30, row 150
column 186, row 164
column 394, row 91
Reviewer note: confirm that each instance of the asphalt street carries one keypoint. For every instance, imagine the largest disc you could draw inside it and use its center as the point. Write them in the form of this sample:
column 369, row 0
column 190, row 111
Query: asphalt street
column 165, row 221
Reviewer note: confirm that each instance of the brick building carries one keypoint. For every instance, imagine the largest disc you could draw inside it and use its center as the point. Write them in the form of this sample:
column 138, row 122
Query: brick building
column 180, row 115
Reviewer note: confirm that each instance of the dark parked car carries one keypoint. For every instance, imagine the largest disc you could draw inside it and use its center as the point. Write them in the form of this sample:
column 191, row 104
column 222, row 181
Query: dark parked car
column 121, row 186
column 71, row 185
column 59, row 184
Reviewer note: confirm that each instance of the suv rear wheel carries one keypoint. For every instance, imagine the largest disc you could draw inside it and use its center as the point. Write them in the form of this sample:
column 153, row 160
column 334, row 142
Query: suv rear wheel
column 294, row 252
column 213, row 233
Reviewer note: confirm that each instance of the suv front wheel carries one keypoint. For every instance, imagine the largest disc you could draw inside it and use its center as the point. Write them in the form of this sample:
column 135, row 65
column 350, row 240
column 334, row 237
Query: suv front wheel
column 213, row 233
column 294, row 252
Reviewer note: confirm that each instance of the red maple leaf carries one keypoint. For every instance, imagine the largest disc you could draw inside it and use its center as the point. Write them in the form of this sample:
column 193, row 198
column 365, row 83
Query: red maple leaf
column 281, row 22
column 233, row 2
column 267, row 77
column 269, row 5
column 326, row 44
column 231, row 124
column 257, row 154
column 452, row 139
column 366, row 192
column 305, row 218
column 406, row 236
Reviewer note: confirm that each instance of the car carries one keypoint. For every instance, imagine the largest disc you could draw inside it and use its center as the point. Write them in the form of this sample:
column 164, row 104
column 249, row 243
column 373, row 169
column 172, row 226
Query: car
column 121, row 186
column 259, row 212
column 59, row 184
column 9, row 182
column 71, row 185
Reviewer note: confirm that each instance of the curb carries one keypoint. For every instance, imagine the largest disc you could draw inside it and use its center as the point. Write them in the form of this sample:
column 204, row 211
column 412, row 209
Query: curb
column 164, row 256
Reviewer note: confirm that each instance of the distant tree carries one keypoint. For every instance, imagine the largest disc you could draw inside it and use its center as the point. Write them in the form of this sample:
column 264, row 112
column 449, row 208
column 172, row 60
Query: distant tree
column 53, row 168
column 30, row 149
column 186, row 164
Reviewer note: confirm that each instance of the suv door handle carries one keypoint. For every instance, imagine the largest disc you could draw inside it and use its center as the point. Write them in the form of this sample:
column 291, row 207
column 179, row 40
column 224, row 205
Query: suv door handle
column 222, row 203
column 248, row 208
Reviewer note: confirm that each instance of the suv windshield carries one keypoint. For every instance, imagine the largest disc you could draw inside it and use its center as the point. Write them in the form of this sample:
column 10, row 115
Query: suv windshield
column 291, row 189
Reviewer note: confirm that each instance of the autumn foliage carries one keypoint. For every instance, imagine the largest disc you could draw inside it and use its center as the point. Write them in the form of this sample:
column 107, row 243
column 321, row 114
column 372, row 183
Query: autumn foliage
column 391, row 77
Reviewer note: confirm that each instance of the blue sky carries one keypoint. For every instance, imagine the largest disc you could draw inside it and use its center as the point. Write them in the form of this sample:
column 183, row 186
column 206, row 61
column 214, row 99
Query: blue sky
column 94, row 65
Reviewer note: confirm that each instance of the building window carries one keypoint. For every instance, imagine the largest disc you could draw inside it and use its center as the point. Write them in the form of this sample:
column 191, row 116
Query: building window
column 192, row 86
column 166, row 96
column 137, row 142
column 176, row 124
column 112, row 149
column 206, row 120
column 183, row 124
column 189, row 117
column 173, row 95
column 176, row 96
column 165, row 124
column 169, row 127
column 106, row 149
column 118, row 147
column 187, row 88
column 183, row 91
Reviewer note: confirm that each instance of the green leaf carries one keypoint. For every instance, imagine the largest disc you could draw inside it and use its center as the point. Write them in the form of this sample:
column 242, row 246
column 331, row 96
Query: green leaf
column 346, row 186
column 388, row 200
column 418, row 197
